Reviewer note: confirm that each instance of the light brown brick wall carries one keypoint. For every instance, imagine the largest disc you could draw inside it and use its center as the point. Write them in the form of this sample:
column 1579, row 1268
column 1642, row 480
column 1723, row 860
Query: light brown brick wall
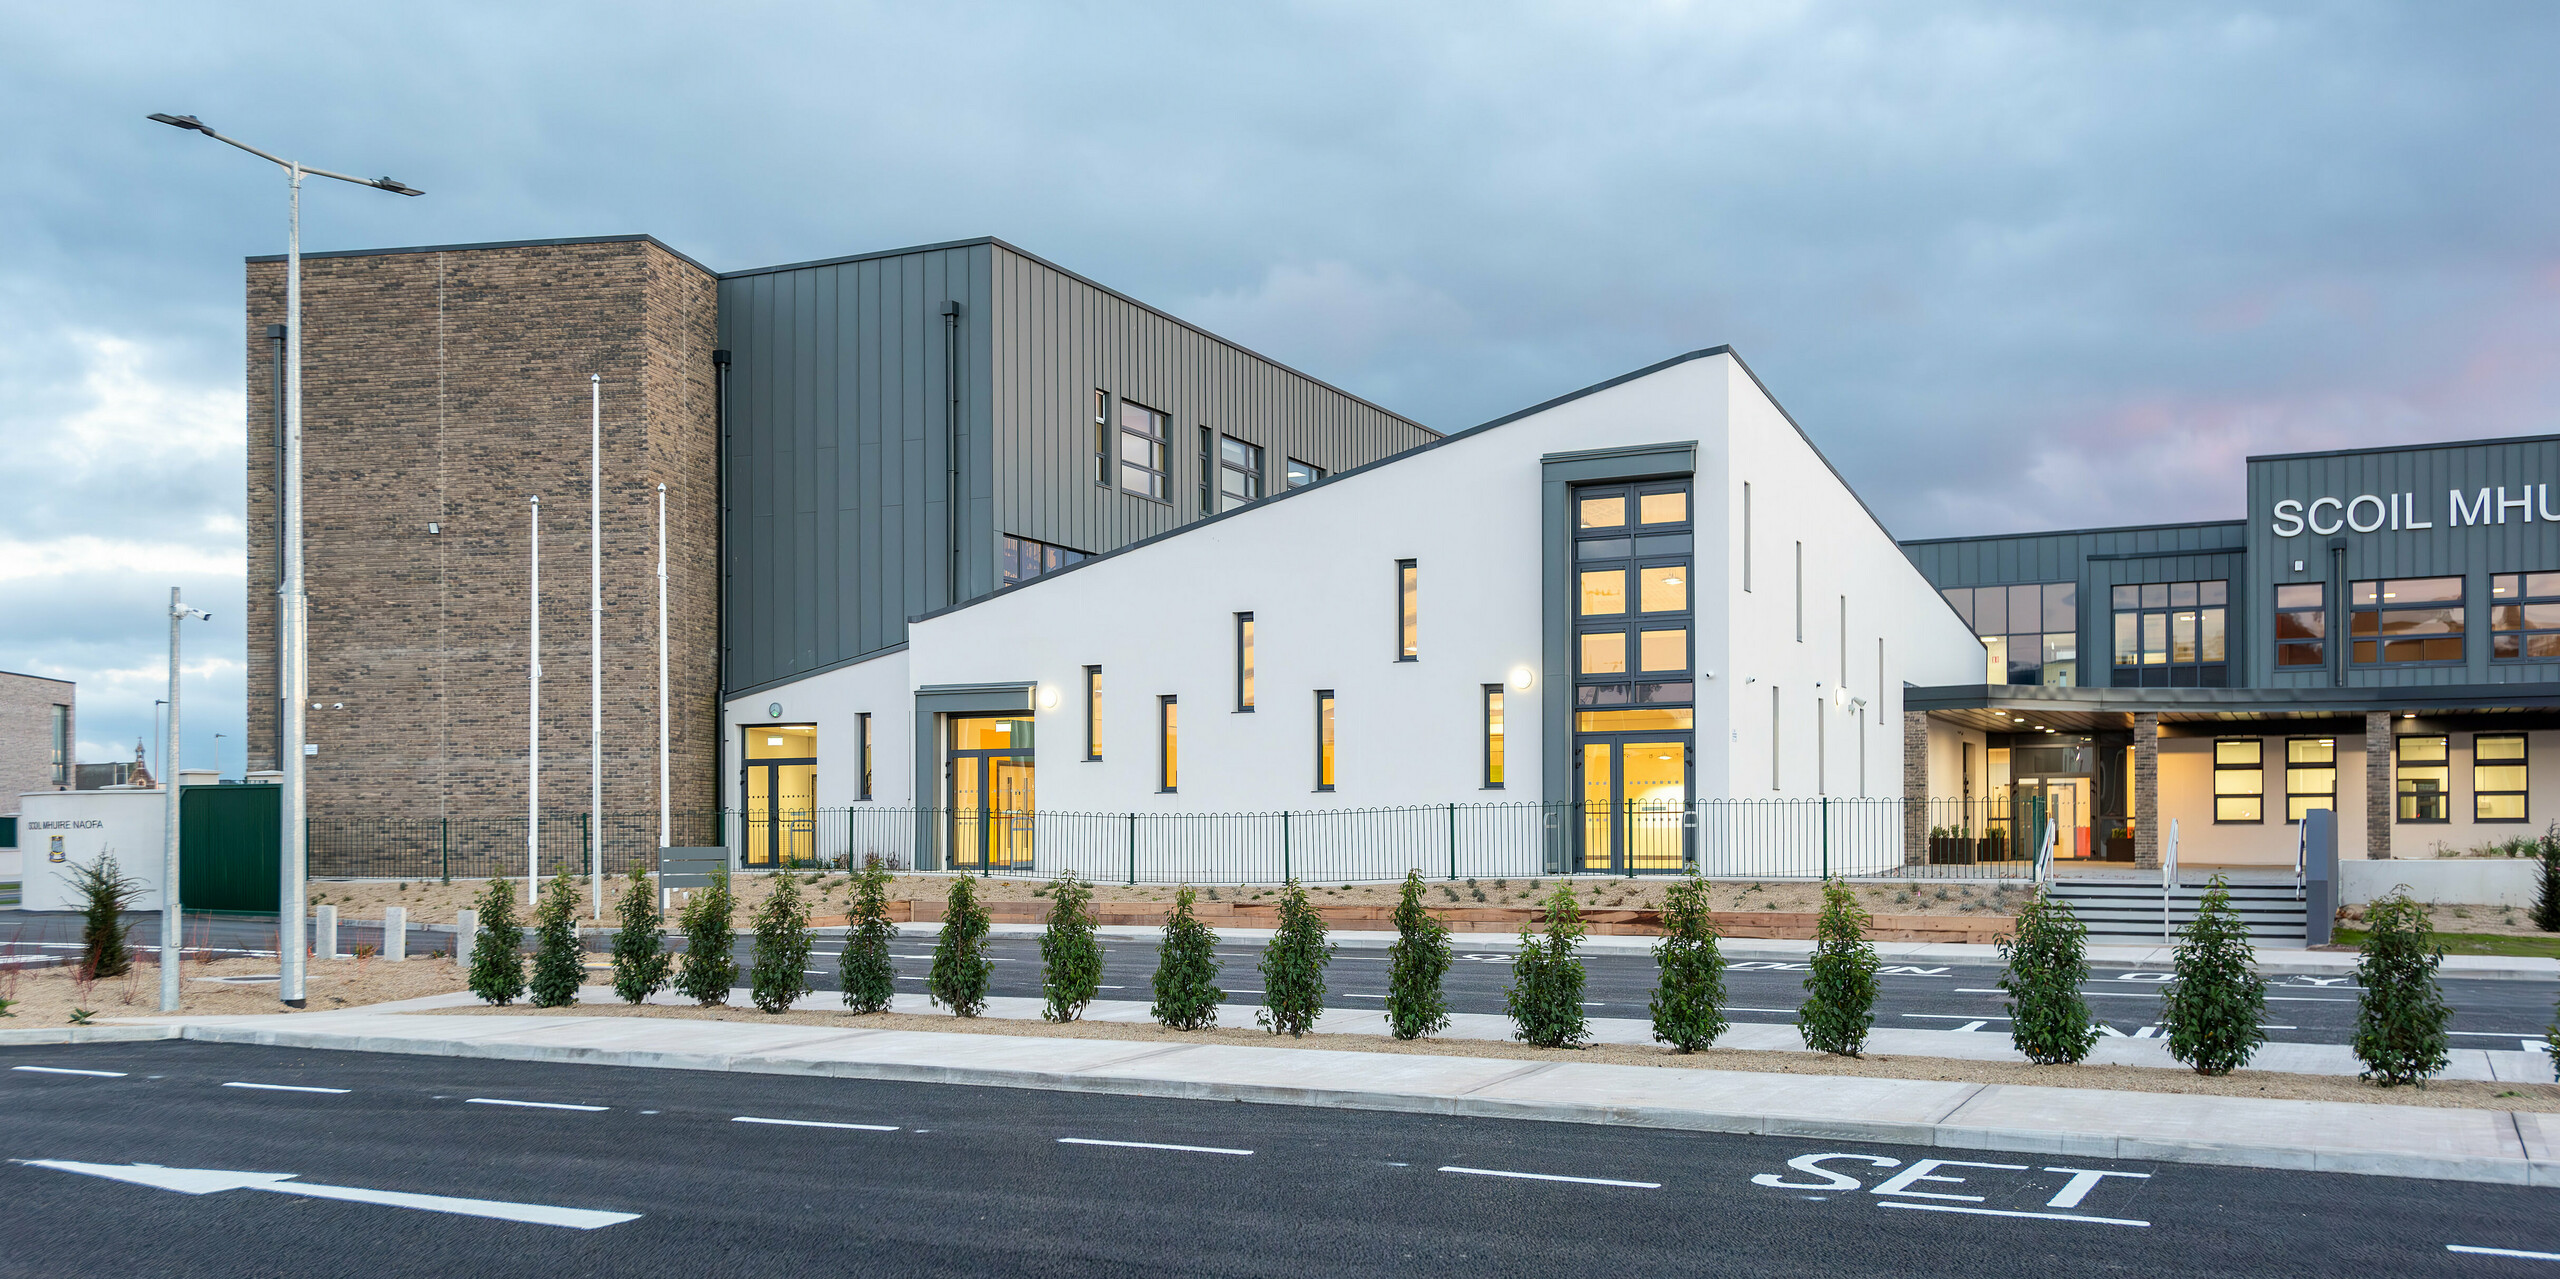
column 448, row 387
column 2379, row 797
column 26, row 733
column 1915, row 788
column 2146, row 790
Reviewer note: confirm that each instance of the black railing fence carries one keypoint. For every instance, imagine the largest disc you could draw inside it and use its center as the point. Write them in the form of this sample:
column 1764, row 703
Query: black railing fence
column 1726, row 839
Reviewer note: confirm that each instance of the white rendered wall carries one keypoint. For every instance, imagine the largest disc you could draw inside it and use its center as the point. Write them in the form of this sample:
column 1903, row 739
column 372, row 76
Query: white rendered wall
column 835, row 701
column 130, row 824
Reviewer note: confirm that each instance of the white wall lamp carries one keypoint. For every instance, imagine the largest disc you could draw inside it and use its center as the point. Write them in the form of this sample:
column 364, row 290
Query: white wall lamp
column 1048, row 697
column 1522, row 677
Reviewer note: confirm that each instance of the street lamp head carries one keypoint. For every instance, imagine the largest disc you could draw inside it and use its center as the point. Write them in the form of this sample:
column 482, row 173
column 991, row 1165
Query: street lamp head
column 187, row 122
column 396, row 187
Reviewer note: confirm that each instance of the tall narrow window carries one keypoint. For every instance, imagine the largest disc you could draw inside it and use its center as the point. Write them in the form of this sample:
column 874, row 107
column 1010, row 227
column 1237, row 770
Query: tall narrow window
column 1844, row 641
column 1093, row 712
column 1102, row 438
column 2426, row 780
column 1244, row 661
column 1862, row 758
column 1774, row 704
column 2498, row 777
column 1239, row 472
column 2310, row 776
column 61, row 745
column 1880, row 684
column 1821, row 748
column 1799, row 592
column 1168, row 743
column 1142, row 450
column 1746, row 535
column 1208, row 475
column 2302, row 625
column 1408, row 611
column 2239, row 780
column 1493, row 737
column 862, row 728
column 1324, row 739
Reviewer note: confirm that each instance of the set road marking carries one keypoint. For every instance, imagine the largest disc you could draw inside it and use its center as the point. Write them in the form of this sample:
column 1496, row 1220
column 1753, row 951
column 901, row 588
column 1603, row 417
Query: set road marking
column 66, row 1070
column 812, row 1123
column 2502, row 1252
column 1549, row 1176
column 1152, row 1145
column 530, row 1105
column 1900, row 1189
column 236, row 1083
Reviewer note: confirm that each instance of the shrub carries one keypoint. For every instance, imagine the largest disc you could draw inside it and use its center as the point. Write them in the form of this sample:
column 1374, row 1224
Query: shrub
column 1840, row 992
column 1187, row 994
column 2401, row 1016
column 2215, row 1009
column 559, row 967
column 869, row 980
column 710, row 967
column 497, row 966
column 779, row 973
column 1688, row 1001
column 1293, row 967
column 2546, row 904
column 1416, row 963
column 106, row 893
column 640, row 962
column 958, row 980
column 1070, row 955
column 1545, row 995
column 2048, row 960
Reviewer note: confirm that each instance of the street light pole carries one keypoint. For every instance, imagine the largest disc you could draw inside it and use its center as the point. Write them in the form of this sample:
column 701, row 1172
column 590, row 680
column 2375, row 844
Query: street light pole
column 170, row 926
column 292, row 637
column 595, row 641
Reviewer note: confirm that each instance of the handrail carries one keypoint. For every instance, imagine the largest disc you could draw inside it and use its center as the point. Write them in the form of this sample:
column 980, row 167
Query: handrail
column 2301, row 858
column 2044, row 852
column 2168, row 879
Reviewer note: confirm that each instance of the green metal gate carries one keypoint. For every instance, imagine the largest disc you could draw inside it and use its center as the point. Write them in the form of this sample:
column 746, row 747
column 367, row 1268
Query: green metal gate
column 230, row 846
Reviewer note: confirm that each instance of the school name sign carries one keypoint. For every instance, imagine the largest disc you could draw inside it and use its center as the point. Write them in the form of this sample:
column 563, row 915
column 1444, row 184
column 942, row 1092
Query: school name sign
column 2374, row 512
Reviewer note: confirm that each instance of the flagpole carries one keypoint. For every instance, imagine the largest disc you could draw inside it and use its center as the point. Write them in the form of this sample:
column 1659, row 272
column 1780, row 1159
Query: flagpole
column 595, row 642
column 533, row 722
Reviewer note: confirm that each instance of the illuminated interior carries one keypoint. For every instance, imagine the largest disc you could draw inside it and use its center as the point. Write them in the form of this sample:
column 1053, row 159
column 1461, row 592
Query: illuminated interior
column 992, row 795
column 781, row 794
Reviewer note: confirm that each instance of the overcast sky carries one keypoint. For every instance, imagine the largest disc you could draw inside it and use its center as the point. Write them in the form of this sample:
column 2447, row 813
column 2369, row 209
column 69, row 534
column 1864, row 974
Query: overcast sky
column 2013, row 267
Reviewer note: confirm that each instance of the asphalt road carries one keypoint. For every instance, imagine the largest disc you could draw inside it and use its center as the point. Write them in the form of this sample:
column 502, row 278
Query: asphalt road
column 975, row 1181
column 2488, row 1013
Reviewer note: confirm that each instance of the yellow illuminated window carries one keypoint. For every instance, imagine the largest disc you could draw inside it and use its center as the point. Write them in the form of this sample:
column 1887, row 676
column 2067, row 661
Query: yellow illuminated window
column 1493, row 735
column 2498, row 778
column 1604, row 593
column 1664, row 650
column 1662, row 508
column 1168, row 741
column 1324, row 739
column 1604, row 654
column 1663, row 589
column 2310, row 776
column 2239, row 780
column 786, row 741
column 1604, row 512
column 1649, row 720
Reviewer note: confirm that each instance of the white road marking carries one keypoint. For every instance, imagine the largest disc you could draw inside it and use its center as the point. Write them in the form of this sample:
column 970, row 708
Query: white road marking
column 1548, row 1176
column 1150, row 1145
column 2145, row 994
column 205, row 1181
column 282, row 1087
column 535, row 1105
column 812, row 1123
column 2003, row 1212
column 2503, row 1252
column 66, row 1070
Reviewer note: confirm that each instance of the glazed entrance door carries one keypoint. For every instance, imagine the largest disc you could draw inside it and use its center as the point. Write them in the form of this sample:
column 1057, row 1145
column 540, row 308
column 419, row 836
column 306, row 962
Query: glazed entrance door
column 992, row 794
column 781, row 793
column 1635, row 804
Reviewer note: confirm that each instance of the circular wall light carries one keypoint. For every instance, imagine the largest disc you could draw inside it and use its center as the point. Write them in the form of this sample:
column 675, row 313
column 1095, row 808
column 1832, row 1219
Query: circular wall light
column 1522, row 677
column 1048, row 697
column 774, row 711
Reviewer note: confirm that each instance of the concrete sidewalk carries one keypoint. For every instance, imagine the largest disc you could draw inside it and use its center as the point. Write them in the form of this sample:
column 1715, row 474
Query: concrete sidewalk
column 2519, row 1148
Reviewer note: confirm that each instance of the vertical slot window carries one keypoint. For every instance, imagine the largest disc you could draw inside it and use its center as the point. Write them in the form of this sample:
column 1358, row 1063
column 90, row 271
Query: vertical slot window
column 1102, row 439
column 1093, row 712
column 2302, row 626
column 1208, row 474
column 1493, row 733
column 1799, row 592
column 2310, row 776
column 1774, row 741
column 2424, row 779
column 1143, row 440
column 61, row 745
column 2498, row 777
column 1746, row 535
column 1324, row 739
column 862, row 733
column 1168, row 744
column 1239, row 473
column 1244, row 661
column 2239, row 780
column 1408, row 611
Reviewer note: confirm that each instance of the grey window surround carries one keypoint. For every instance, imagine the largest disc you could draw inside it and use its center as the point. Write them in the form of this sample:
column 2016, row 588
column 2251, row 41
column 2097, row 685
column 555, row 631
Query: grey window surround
column 862, row 729
column 1244, row 671
column 1168, row 743
column 1324, row 705
column 1093, row 713
column 934, row 704
column 1492, row 692
column 1413, row 567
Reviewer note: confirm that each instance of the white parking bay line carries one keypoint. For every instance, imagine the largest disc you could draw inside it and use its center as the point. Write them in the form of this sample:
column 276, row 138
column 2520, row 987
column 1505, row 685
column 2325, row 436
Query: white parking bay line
column 66, row 1070
column 1548, row 1176
column 2003, row 1212
column 2503, row 1252
column 1150, row 1145
column 812, row 1123
column 534, row 1105
column 282, row 1087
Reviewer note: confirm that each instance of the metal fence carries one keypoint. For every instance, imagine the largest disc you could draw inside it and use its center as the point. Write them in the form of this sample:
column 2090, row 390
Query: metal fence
column 1725, row 839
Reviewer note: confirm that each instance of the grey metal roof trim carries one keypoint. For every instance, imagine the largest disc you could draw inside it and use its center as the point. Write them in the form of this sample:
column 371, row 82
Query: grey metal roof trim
column 495, row 244
column 730, row 695
column 2341, row 700
column 2079, row 532
column 2404, row 448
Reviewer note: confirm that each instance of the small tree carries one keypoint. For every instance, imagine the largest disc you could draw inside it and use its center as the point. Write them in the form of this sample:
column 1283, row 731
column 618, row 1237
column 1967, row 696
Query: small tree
column 2048, row 961
column 710, row 965
column 2546, row 903
column 958, row 980
column 1545, row 995
column 1688, row 1001
column 2215, row 1009
column 1416, row 963
column 106, row 893
column 2401, row 1016
column 1293, row 967
column 1070, row 955
column 497, row 962
column 641, row 963
column 780, row 972
column 1840, row 992
column 869, row 980
column 559, row 966
column 1186, row 985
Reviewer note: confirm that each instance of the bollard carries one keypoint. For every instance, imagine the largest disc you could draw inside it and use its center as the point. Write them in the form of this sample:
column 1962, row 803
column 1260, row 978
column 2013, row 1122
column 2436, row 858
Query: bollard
column 395, row 933
column 466, row 931
column 324, row 933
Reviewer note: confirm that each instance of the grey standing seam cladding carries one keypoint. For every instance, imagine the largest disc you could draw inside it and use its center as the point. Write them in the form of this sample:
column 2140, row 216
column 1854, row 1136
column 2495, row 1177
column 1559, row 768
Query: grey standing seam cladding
column 838, row 448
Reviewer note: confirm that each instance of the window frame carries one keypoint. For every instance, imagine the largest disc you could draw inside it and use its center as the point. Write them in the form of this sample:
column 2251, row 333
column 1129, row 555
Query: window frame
column 1244, row 671
column 1626, row 552
column 1999, row 642
column 2293, row 793
column 1103, row 438
column 862, row 746
column 2316, row 643
column 1161, row 443
column 1208, row 473
column 2521, row 600
column 2522, row 762
column 2405, row 801
column 1168, row 744
column 1497, row 733
column 1093, row 713
column 1254, row 479
column 2256, row 767
column 2208, row 607
column 61, row 744
column 1327, row 756
column 1408, row 610
column 1314, row 474
column 2382, row 660
column 1022, row 559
